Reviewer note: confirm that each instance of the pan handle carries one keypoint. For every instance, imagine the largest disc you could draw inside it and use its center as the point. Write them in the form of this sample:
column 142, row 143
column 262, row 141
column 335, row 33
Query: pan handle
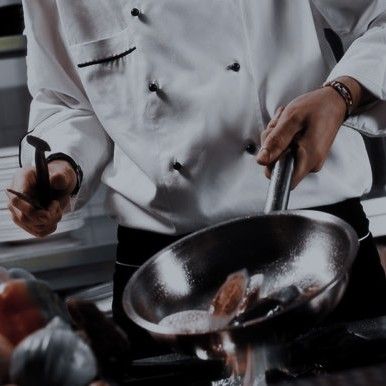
column 280, row 185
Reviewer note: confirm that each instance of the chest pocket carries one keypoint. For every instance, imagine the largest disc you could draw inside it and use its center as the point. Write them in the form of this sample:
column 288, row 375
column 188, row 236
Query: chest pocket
column 100, row 43
column 108, row 68
column 104, row 51
column 96, row 31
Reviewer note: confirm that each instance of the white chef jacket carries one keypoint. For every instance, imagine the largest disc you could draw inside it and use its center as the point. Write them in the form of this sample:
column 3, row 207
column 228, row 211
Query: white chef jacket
column 152, row 104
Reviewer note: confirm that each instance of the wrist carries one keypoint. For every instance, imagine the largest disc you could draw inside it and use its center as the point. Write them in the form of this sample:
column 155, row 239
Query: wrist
column 343, row 93
column 67, row 163
column 360, row 94
column 355, row 89
column 337, row 106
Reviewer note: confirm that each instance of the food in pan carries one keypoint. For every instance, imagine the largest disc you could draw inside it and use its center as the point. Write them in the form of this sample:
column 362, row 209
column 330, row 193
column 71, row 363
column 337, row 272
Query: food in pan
column 229, row 299
column 237, row 301
column 235, row 296
column 269, row 305
column 190, row 321
column 252, row 294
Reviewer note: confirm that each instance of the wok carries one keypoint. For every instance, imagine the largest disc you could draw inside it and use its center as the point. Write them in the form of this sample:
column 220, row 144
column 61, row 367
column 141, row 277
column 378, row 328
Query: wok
column 300, row 247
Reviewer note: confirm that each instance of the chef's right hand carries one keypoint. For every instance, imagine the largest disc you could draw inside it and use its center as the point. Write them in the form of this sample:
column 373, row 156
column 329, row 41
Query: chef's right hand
column 42, row 222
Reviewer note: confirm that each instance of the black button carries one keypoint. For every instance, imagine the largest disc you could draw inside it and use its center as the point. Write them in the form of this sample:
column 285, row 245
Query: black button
column 234, row 67
column 153, row 87
column 177, row 166
column 135, row 12
column 251, row 148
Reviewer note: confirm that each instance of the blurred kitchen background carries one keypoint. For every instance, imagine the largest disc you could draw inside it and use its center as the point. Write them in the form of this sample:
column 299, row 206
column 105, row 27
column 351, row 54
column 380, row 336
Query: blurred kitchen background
column 81, row 252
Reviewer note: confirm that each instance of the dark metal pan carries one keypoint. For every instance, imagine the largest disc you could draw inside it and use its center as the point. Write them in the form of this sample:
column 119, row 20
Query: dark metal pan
column 300, row 247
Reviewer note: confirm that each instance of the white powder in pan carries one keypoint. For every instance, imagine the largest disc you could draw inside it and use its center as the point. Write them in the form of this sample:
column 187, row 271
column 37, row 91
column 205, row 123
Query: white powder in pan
column 191, row 321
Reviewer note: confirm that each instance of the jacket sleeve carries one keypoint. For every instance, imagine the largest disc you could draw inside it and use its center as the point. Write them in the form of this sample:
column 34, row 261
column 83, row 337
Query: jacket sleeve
column 60, row 112
column 361, row 26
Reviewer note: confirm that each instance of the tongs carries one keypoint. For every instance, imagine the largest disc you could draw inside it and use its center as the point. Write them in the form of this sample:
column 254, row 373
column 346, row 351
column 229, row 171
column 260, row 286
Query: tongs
column 43, row 187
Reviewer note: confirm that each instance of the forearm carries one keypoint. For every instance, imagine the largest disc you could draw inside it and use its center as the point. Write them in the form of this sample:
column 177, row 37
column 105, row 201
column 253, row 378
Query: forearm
column 362, row 68
column 60, row 112
column 360, row 95
column 79, row 136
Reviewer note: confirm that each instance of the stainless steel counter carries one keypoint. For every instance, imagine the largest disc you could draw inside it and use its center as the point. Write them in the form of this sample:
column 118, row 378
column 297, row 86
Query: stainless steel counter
column 77, row 259
column 13, row 46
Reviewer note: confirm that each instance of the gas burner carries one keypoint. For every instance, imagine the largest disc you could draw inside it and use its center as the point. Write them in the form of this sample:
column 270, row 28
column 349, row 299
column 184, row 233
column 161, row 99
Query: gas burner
column 333, row 354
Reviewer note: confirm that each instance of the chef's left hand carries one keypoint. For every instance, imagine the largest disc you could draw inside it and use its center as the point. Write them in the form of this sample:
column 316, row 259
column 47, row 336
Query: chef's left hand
column 310, row 123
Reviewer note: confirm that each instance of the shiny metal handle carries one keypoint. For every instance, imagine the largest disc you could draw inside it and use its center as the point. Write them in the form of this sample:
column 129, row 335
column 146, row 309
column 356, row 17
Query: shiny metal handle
column 280, row 185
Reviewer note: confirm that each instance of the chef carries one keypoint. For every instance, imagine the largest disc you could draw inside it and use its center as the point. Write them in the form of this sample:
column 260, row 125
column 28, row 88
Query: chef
column 171, row 103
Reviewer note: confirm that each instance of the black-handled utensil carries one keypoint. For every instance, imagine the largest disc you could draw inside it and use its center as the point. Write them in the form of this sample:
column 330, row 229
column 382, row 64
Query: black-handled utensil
column 43, row 188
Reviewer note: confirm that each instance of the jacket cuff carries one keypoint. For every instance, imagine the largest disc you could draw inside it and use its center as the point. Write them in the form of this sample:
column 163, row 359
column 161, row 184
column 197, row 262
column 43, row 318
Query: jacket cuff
column 77, row 169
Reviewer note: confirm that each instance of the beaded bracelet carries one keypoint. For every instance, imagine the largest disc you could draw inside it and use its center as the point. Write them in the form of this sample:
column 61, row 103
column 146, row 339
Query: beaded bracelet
column 344, row 92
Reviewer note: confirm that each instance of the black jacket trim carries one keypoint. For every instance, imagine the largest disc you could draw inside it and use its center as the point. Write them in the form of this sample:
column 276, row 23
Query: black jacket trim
column 108, row 59
column 21, row 140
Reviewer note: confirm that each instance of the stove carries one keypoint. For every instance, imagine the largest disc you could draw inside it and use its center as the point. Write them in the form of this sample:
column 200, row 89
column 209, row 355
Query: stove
column 338, row 355
column 352, row 353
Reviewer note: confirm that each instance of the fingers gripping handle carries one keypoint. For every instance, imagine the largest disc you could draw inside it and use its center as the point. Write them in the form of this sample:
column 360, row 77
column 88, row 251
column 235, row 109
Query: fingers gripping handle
column 280, row 185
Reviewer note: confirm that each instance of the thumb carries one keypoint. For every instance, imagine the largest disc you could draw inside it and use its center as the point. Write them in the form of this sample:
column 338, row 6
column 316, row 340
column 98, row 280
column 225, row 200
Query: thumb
column 62, row 176
column 59, row 181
